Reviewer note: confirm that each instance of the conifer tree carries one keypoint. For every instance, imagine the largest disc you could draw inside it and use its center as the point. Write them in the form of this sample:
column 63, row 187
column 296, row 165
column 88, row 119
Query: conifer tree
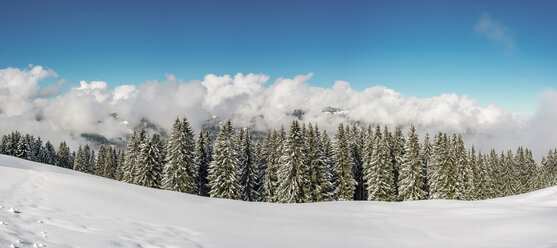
column 411, row 182
column 328, row 161
column 92, row 162
column 425, row 154
column 317, row 168
column 367, row 158
column 356, row 144
column 223, row 170
column 396, row 144
column 180, row 172
column 131, row 159
column 64, row 156
column 381, row 181
column 202, row 160
column 51, row 156
column 23, row 150
column 273, row 150
column 442, row 175
column 79, row 164
column 101, row 163
column 494, row 172
column 247, row 166
column 260, row 167
column 482, row 179
column 109, row 169
column 119, row 169
column 87, row 158
column 293, row 174
column 465, row 184
column 344, row 166
column 149, row 167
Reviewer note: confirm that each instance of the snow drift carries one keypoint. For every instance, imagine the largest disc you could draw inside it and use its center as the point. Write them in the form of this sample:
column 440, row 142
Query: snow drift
column 56, row 207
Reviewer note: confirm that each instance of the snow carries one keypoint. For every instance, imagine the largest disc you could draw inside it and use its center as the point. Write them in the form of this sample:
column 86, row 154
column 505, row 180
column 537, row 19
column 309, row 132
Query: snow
column 63, row 208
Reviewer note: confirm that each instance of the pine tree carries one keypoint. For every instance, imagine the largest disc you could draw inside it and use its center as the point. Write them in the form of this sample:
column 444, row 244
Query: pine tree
column 411, row 181
column 317, row 169
column 109, row 169
column 344, row 166
column 482, row 178
column 87, row 158
column 180, row 172
column 260, row 165
column 148, row 170
column 380, row 176
column 425, row 154
column 202, row 160
column 101, row 163
column 51, row 156
column 23, row 150
column 223, row 170
column 64, row 156
column 493, row 169
column 465, row 183
column 356, row 144
column 120, row 165
column 293, row 173
column 273, row 150
column 79, row 164
column 247, row 166
column 328, row 161
column 367, row 157
column 396, row 144
column 131, row 158
column 442, row 174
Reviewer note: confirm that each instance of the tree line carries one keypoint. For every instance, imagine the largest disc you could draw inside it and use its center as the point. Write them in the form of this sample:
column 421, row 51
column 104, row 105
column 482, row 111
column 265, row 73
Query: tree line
column 303, row 164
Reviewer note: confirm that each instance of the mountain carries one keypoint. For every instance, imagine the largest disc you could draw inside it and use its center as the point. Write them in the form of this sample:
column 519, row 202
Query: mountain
column 55, row 207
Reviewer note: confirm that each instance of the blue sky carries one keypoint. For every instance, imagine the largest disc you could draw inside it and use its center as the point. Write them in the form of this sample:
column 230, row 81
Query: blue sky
column 419, row 48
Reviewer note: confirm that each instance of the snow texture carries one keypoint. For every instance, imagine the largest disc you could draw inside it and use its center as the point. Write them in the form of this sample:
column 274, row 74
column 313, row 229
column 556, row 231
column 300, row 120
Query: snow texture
column 63, row 208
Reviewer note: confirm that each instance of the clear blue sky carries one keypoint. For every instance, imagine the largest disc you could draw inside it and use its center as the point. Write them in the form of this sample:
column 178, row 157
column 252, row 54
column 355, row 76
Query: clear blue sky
column 419, row 48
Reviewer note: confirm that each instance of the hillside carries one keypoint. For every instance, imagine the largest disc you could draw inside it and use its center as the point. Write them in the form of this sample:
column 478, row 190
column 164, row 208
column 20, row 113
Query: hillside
column 56, row 207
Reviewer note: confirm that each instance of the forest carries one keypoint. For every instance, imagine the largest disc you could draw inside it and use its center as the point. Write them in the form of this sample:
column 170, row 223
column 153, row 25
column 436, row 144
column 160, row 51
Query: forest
column 302, row 164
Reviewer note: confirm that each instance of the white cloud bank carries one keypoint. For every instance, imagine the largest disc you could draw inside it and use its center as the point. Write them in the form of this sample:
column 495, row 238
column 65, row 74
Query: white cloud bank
column 93, row 107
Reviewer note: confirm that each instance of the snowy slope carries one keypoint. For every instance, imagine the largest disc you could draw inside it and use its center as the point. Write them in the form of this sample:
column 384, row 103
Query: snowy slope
column 63, row 208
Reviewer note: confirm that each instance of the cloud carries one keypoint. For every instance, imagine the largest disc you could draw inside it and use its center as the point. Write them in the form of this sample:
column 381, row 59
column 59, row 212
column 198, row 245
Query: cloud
column 496, row 32
column 252, row 100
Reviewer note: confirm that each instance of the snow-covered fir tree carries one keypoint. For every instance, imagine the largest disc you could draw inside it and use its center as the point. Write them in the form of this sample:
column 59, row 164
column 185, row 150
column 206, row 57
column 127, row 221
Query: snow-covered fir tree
column 23, row 150
column 87, row 158
column 223, row 170
column 318, row 177
column 396, row 143
column 202, row 159
column 51, row 156
column 247, row 166
column 411, row 181
column 273, row 146
column 379, row 176
column 356, row 144
column 425, row 155
column 328, row 161
column 64, row 156
column 346, row 185
column 79, row 164
column 131, row 158
column 180, row 171
column 149, row 167
column 293, row 174
column 101, row 163
column 109, row 168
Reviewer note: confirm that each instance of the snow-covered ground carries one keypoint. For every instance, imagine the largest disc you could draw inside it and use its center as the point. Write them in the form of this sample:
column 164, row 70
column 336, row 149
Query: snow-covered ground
column 54, row 207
